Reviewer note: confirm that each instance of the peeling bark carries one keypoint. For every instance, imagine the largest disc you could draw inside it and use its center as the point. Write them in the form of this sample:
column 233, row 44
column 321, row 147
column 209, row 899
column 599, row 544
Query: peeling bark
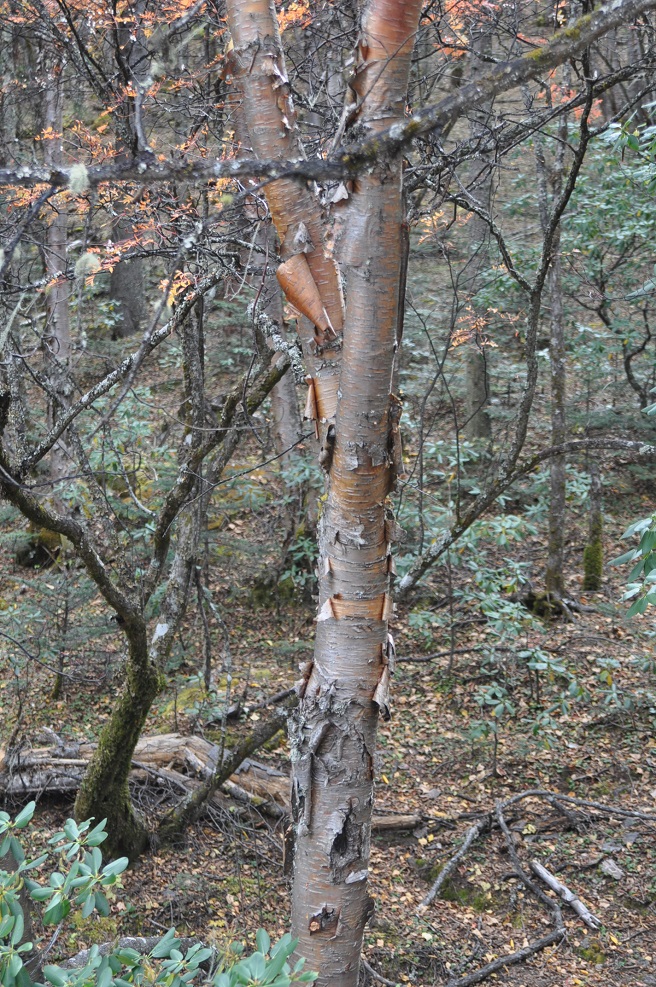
column 308, row 273
column 333, row 733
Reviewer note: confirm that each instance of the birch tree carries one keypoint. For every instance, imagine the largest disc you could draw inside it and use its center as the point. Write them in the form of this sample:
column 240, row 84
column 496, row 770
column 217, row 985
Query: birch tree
column 351, row 352
column 350, row 345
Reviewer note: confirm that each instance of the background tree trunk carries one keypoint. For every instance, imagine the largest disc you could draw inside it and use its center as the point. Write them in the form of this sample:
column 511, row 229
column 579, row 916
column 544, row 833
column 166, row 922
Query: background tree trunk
column 554, row 578
column 126, row 285
column 57, row 339
column 593, row 554
column 477, row 378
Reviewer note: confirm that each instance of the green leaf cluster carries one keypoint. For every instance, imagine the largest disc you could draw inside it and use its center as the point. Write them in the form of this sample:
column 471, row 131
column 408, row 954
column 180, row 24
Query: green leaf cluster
column 641, row 587
column 76, row 884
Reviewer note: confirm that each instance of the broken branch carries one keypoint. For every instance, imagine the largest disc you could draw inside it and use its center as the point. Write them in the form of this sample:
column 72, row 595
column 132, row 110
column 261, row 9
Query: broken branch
column 572, row 900
column 472, row 834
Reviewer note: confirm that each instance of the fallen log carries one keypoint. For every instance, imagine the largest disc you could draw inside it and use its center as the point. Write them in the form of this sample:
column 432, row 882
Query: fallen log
column 61, row 766
column 183, row 763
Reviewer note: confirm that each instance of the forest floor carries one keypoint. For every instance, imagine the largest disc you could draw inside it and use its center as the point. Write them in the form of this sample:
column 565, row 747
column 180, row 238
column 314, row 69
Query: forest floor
column 580, row 722
column 226, row 878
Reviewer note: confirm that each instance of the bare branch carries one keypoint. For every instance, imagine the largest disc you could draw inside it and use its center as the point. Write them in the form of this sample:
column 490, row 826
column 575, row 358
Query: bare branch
column 118, row 374
column 424, row 562
column 501, row 78
column 471, row 835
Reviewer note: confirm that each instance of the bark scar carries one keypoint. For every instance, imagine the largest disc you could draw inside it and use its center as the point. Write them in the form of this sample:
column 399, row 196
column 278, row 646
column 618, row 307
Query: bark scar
column 302, row 784
column 327, row 449
column 325, row 920
column 346, row 848
column 395, row 445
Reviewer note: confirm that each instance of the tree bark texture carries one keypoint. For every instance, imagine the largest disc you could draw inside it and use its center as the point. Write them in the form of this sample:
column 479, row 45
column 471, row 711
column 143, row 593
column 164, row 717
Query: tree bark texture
column 308, row 274
column 104, row 791
column 593, row 554
column 333, row 733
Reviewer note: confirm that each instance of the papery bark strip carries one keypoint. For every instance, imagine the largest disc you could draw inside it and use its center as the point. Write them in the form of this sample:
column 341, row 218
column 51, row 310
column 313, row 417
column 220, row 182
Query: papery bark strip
column 333, row 733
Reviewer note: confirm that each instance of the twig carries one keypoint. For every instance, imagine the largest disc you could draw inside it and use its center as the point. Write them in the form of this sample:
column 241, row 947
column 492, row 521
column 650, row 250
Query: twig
column 553, row 907
column 239, row 710
column 472, row 834
column 611, row 810
column 572, row 900
column 377, row 976
column 572, row 818
column 508, row 960
column 438, row 654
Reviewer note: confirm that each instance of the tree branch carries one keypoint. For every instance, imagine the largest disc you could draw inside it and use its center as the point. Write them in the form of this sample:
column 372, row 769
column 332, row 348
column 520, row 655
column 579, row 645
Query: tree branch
column 499, row 79
column 118, row 374
column 182, row 815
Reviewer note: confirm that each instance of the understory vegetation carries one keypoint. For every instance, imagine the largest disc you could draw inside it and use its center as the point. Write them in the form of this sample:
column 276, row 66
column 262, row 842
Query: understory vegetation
column 173, row 525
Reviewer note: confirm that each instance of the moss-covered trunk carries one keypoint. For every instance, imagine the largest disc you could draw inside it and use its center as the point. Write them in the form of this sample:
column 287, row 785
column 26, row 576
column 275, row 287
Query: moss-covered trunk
column 104, row 790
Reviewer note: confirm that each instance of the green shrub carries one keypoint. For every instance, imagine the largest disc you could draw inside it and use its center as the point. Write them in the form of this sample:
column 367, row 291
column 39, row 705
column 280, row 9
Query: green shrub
column 76, row 885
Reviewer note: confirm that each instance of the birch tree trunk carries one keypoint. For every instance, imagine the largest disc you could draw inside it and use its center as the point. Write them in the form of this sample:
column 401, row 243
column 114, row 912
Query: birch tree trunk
column 334, row 728
column 333, row 734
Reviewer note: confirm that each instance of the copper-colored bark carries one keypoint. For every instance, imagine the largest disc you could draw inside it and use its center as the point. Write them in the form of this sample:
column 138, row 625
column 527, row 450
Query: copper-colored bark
column 296, row 280
column 334, row 733
column 259, row 71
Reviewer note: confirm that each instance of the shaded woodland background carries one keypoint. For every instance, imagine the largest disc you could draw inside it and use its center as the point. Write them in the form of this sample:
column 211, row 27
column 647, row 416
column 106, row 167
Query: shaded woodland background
column 153, row 395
